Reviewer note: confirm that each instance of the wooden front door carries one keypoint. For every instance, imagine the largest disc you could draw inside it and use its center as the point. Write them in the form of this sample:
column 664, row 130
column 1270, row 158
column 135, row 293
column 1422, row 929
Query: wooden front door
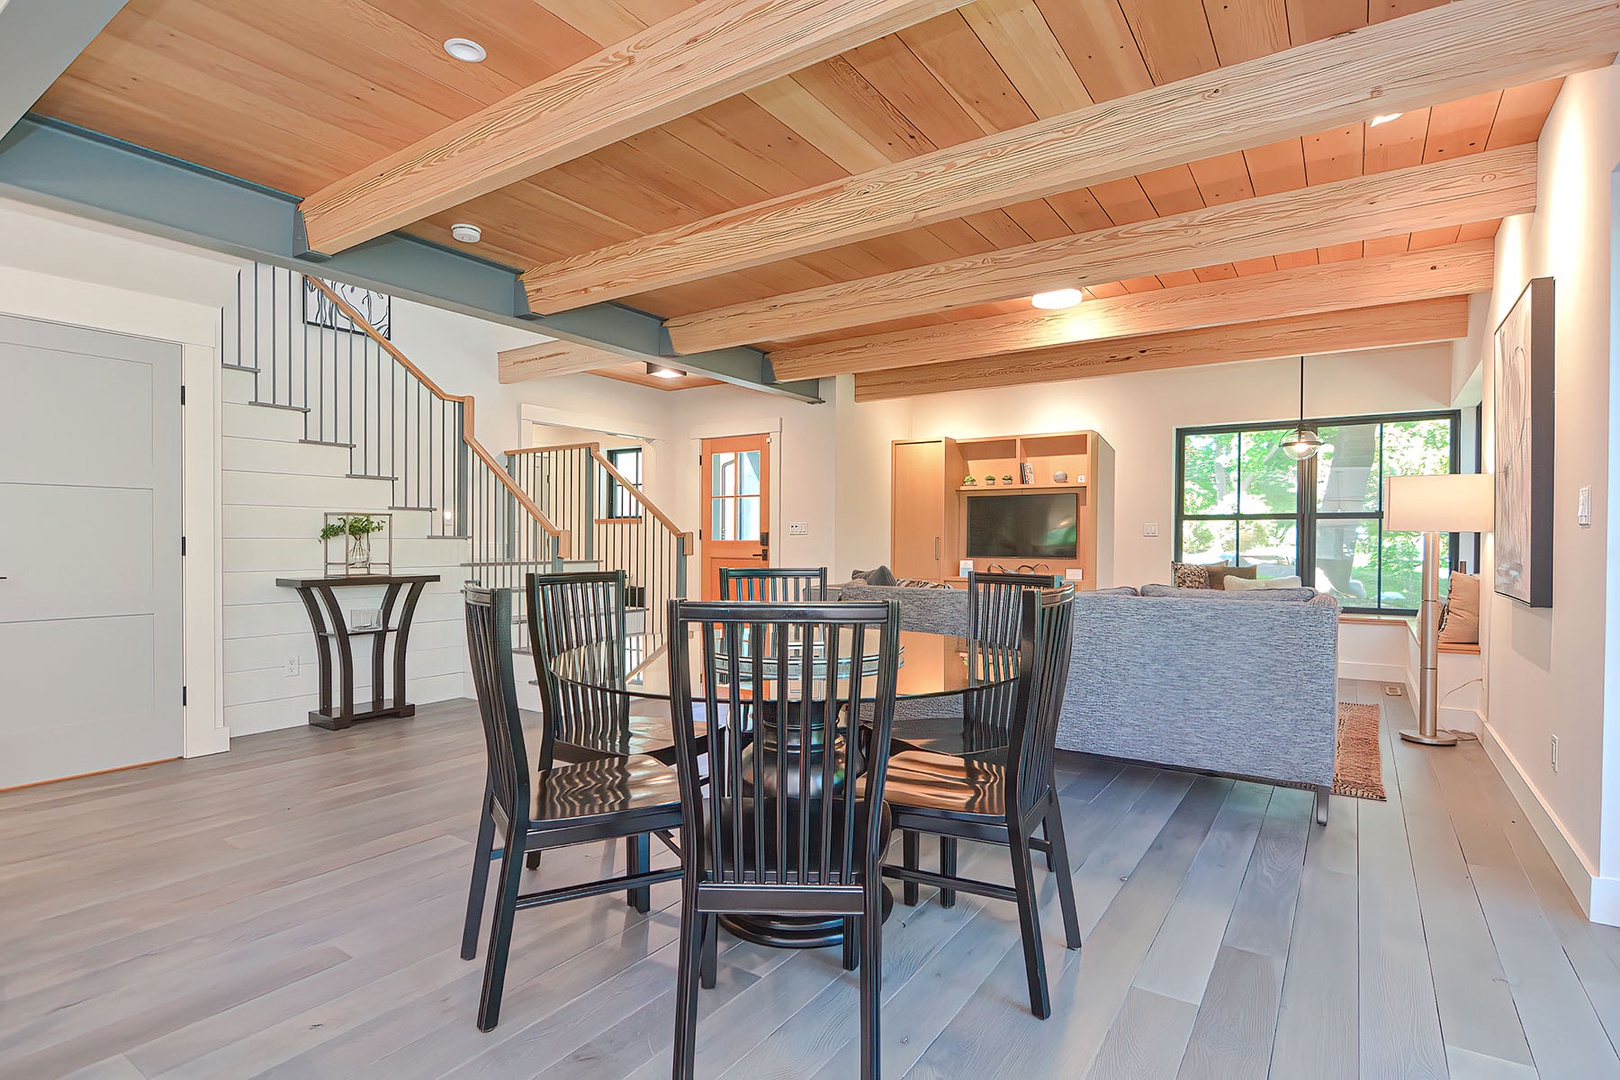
column 736, row 505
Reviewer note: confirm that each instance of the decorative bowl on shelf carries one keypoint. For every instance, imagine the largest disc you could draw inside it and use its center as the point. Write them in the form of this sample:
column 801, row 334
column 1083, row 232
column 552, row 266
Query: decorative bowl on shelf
column 1060, row 477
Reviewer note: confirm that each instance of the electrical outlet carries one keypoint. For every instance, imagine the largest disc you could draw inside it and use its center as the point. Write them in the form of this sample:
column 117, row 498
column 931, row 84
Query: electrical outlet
column 798, row 528
column 1150, row 528
column 289, row 667
column 1392, row 690
column 1555, row 753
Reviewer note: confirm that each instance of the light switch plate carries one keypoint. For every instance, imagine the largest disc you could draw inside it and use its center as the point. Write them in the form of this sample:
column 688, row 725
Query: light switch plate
column 1150, row 528
column 1583, row 509
column 798, row 528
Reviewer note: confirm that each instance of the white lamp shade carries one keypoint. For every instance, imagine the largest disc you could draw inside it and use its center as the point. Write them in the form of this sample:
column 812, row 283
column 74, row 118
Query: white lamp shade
column 1452, row 502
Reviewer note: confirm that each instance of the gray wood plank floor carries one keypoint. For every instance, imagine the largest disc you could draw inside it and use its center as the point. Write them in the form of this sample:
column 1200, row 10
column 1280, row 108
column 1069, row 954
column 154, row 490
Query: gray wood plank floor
column 292, row 909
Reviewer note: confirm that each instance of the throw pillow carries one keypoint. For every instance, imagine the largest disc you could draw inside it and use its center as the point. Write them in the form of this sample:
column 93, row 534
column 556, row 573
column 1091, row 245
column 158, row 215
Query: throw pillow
column 1462, row 618
column 914, row 583
column 881, row 576
column 1219, row 574
column 1192, row 575
column 1237, row 584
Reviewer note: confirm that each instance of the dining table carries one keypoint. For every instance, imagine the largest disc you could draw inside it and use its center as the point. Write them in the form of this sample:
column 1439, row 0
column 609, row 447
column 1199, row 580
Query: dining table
column 931, row 666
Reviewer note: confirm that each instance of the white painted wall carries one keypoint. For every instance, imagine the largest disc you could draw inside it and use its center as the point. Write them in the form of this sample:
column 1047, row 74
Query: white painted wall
column 1546, row 668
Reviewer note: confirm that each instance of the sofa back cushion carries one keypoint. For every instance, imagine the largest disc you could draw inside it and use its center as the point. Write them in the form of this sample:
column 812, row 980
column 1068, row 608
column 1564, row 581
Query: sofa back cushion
column 1168, row 592
column 936, row 611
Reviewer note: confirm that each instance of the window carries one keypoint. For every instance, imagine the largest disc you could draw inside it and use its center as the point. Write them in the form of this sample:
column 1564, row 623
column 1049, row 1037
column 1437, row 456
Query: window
column 620, row 503
column 1243, row 500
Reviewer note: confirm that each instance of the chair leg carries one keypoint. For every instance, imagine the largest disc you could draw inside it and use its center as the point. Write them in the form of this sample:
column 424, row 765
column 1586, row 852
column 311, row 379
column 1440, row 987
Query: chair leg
column 1051, row 855
column 480, row 880
column 711, row 950
column 638, row 854
column 532, row 860
column 688, row 973
column 500, row 935
column 852, row 944
column 911, row 859
column 947, row 866
column 1029, row 922
column 872, row 984
column 1058, row 859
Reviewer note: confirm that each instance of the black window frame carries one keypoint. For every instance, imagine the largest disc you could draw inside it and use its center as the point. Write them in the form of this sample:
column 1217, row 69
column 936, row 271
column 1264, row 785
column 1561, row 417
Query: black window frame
column 614, row 492
column 1306, row 516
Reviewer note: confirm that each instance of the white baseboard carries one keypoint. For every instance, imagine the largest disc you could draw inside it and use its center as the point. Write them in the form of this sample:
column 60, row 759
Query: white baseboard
column 1599, row 897
column 1458, row 718
column 1380, row 673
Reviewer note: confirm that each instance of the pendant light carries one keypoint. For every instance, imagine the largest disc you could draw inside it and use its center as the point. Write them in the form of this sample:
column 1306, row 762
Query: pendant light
column 1302, row 442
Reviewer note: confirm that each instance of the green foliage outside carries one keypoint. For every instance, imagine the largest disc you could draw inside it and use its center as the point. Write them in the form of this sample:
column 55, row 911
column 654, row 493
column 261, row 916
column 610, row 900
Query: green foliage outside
column 1246, row 473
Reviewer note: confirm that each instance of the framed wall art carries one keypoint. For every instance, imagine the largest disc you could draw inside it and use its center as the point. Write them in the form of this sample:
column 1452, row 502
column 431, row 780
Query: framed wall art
column 374, row 307
column 1522, row 380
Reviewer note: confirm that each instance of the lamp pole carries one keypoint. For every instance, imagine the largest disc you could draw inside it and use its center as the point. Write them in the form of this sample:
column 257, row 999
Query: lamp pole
column 1428, row 730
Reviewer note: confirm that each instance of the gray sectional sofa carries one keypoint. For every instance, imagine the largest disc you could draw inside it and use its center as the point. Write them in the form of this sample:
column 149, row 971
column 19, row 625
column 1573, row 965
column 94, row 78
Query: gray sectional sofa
column 1242, row 684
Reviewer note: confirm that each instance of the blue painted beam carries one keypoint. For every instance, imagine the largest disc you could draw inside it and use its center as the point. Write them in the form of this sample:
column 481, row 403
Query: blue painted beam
column 67, row 168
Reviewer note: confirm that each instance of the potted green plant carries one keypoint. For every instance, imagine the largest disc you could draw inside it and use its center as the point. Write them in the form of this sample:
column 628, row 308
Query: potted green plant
column 357, row 529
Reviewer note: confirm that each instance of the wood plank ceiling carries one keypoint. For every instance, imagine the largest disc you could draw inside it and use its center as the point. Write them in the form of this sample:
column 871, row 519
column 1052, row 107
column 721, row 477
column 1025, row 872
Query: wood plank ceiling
column 299, row 94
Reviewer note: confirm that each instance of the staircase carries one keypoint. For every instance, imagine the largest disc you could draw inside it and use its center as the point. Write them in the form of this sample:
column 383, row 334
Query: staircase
column 323, row 413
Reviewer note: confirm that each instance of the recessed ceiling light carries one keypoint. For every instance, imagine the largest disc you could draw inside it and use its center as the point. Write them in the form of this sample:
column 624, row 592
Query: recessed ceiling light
column 1384, row 118
column 1057, row 299
column 658, row 371
column 465, row 49
column 467, row 234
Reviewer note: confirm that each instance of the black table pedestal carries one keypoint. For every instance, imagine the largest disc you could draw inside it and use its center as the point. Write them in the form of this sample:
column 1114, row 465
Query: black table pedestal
column 332, row 630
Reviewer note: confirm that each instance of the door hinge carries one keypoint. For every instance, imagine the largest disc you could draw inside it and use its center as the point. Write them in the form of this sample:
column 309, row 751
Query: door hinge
column 182, row 547
column 182, row 393
column 182, row 697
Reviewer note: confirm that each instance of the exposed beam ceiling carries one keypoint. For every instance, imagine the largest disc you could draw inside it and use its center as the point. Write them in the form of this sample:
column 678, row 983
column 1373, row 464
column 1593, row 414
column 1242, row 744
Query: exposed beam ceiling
column 1418, row 275
column 38, row 40
column 693, row 59
column 550, row 359
column 1483, row 187
column 1416, row 323
column 64, row 168
column 1443, row 54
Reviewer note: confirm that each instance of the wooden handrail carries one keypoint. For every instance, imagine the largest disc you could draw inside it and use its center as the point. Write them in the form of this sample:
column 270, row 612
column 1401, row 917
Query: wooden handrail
column 646, row 503
column 559, row 446
column 466, row 403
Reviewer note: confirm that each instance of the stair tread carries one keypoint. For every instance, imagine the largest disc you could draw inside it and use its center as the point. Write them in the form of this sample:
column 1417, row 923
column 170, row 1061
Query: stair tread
column 368, row 476
column 274, row 405
column 323, row 442
column 239, row 367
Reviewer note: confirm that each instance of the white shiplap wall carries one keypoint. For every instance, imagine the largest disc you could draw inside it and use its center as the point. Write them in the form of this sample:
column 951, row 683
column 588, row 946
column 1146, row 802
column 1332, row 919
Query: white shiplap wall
column 275, row 490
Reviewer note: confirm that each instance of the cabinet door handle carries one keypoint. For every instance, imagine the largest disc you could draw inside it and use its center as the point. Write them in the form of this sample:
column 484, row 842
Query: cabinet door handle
column 936, row 548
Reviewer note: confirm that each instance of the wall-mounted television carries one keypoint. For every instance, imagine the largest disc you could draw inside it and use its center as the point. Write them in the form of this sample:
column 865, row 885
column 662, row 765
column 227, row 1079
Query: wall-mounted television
column 1033, row 526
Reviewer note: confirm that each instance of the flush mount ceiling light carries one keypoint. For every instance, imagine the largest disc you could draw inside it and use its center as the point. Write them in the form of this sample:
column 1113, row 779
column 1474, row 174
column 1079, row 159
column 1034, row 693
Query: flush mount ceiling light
column 465, row 233
column 1057, row 299
column 465, row 50
column 658, row 371
column 1384, row 118
column 1302, row 442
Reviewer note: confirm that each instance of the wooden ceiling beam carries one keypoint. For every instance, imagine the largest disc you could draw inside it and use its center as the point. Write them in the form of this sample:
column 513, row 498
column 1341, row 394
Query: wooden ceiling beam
column 1482, row 187
column 550, row 359
column 1442, row 54
column 691, row 60
column 1417, row 275
column 1419, row 322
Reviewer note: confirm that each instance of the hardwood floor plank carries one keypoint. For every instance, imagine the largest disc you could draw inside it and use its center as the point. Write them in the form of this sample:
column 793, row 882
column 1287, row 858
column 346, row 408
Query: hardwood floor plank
column 1146, row 1038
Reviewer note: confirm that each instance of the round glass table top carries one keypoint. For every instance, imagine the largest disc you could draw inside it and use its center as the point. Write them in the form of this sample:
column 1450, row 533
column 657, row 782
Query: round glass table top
column 931, row 665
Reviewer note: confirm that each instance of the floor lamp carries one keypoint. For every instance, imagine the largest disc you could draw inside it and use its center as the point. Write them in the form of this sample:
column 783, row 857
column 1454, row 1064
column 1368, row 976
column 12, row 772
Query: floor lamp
column 1431, row 505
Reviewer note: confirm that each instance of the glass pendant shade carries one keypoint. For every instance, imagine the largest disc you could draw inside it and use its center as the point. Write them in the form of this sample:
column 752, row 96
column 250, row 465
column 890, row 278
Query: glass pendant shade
column 1302, row 442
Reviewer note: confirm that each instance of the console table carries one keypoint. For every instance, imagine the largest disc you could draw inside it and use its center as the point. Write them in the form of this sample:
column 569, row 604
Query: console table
column 324, row 590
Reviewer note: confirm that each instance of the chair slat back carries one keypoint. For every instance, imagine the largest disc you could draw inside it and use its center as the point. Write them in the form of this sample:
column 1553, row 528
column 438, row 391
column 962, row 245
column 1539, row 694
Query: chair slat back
column 773, row 584
column 764, row 705
column 995, row 616
column 1048, row 632
column 568, row 611
column 489, row 647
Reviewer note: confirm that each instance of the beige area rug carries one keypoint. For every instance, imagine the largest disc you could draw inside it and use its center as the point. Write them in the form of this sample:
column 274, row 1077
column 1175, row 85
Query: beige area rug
column 1358, row 769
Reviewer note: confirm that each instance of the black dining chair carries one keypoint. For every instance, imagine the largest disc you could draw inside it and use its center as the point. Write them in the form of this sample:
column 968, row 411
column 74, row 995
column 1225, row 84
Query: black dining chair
column 965, row 799
column 781, row 827
column 557, row 805
column 773, row 584
column 569, row 611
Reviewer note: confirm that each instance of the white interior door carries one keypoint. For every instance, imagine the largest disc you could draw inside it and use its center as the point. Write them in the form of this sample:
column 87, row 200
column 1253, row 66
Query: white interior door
column 90, row 601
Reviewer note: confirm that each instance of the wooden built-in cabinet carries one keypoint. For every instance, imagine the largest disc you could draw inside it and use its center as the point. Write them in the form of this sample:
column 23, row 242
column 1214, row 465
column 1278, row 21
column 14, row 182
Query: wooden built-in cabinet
column 930, row 498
